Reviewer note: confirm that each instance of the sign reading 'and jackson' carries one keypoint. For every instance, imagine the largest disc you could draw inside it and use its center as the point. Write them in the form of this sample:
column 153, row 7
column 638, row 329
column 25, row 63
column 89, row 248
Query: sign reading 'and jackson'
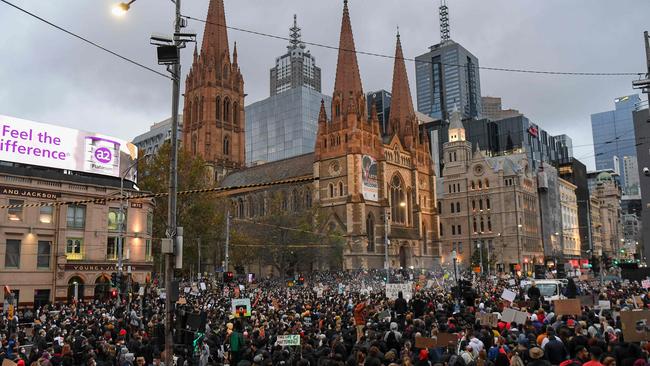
column 29, row 193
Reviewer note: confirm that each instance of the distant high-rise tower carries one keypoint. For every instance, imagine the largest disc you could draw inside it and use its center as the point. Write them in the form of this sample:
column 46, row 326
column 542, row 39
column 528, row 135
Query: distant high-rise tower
column 295, row 68
column 213, row 115
column 448, row 75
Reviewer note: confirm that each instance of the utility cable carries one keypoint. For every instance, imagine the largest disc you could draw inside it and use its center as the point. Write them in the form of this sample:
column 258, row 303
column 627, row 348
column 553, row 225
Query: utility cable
column 374, row 54
column 86, row 40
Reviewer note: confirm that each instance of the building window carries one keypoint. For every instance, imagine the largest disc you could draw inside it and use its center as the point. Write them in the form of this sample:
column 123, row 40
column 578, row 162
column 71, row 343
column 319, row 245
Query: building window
column 218, row 108
column 115, row 219
column 226, row 145
column 473, row 205
column 439, row 208
column 441, row 230
column 337, row 109
column 308, row 198
column 240, row 208
column 452, row 207
column 480, row 184
column 480, row 204
column 487, row 183
column 148, row 257
column 398, row 201
column 235, row 114
column 149, row 223
column 474, row 224
column 45, row 214
column 482, row 225
column 453, row 229
column 489, row 223
column 455, row 156
column 284, row 202
column 74, row 248
column 226, row 110
column 460, row 247
column 111, row 248
column 487, row 203
column 424, row 239
column 331, row 189
column 12, row 254
column 458, row 230
column 340, row 188
column 15, row 213
column 76, row 217
column 473, row 185
column 457, row 206
column 44, row 250
column 295, row 200
column 370, row 230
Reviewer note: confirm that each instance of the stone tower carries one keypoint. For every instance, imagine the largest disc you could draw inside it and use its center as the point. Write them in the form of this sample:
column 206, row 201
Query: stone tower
column 213, row 124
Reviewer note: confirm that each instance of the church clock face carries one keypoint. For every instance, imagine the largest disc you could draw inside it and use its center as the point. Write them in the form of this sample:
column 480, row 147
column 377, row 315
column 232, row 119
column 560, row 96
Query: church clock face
column 478, row 170
column 334, row 168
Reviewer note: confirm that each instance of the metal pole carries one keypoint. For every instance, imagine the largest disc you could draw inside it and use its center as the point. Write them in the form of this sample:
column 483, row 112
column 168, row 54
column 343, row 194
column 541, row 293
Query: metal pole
column 173, row 185
column 120, row 238
column 386, row 242
column 227, row 255
column 480, row 253
column 488, row 258
column 198, row 244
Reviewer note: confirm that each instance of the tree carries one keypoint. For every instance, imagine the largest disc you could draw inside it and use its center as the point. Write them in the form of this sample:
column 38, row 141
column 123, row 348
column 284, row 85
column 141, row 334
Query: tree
column 287, row 237
column 476, row 257
column 200, row 215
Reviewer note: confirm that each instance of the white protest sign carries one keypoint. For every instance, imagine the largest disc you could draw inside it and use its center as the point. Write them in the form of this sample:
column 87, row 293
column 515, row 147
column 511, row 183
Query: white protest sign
column 511, row 282
column 202, row 286
column 508, row 295
column 187, row 289
column 288, row 340
column 393, row 289
column 510, row 315
column 604, row 305
column 141, row 291
column 645, row 283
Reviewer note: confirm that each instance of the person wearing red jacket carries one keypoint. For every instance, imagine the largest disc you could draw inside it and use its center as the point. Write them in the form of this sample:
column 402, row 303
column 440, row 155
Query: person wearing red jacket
column 360, row 318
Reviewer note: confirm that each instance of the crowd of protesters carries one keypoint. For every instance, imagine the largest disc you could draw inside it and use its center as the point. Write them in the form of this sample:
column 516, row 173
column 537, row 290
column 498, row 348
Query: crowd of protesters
column 341, row 318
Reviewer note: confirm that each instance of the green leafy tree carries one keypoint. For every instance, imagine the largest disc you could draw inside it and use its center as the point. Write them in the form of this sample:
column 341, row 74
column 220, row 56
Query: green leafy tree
column 200, row 215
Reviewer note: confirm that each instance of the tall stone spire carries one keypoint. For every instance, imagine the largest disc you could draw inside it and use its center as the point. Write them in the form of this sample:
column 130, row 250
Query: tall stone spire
column 215, row 35
column 401, row 105
column 348, row 80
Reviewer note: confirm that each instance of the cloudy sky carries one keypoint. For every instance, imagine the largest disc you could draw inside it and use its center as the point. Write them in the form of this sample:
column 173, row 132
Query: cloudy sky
column 51, row 77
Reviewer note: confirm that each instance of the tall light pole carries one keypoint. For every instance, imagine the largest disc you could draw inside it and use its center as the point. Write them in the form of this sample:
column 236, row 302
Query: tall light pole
column 455, row 258
column 386, row 242
column 174, row 234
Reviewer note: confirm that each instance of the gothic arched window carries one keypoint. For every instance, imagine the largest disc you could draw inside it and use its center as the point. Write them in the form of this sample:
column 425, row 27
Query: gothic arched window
column 217, row 108
column 398, row 200
column 226, row 145
column 226, row 110
column 235, row 114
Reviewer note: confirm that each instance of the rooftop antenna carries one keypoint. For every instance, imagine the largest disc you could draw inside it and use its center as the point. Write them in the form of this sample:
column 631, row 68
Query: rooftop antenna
column 444, row 21
column 295, row 34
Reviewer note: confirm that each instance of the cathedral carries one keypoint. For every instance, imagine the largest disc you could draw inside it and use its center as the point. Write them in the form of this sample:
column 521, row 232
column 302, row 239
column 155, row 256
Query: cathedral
column 377, row 189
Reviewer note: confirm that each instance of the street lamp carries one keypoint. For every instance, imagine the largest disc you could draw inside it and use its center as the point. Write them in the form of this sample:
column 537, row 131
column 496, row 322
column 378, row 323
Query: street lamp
column 121, row 8
column 454, row 258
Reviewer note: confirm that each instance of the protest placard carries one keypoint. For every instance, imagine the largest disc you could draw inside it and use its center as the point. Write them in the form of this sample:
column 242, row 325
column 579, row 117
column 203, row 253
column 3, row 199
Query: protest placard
column 587, row 300
column 567, row 307
column 393, row 289
column 635, row 325
column 510, row 315
column 288, row 340
column 203, row 286
column 604, row 305
column 241, row 307
column 489, row 319
column 8, row 362
column 439, row 340
column 508, row 295
column 645, row 284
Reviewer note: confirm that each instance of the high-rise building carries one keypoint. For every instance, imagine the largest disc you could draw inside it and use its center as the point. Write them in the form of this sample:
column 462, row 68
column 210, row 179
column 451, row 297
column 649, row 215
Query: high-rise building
column 160, row 132
column 381, row 99
column 493, row 110
column 446, row 76
column 642, row 135
column 213, row 127
column 570, row 234
column 613, row 135
column 575, row 172
column 285, row 124
column 295, row 68
column 631, row 177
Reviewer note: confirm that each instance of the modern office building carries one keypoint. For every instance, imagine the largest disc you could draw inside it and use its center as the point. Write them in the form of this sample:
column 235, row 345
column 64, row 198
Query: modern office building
column 160, row 132
column 493, row 110
column 295, row 68
column 53, row 247
column 630, row 173
column 642, row 135
column 570, row 235
column 575, row 172
column 613, row 135
column 381, row 99
column 284, row 125
column 448, row 76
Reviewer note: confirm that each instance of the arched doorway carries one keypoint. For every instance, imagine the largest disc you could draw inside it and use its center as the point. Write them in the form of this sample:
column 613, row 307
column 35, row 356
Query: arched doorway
column 102, row 287
column 78, row 283
column 402, row 257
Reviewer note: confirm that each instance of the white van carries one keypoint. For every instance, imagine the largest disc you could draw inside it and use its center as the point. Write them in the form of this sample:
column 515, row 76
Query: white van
column 550, row 289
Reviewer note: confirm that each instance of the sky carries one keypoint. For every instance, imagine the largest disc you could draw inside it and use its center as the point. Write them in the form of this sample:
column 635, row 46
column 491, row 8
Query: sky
column 49, row 76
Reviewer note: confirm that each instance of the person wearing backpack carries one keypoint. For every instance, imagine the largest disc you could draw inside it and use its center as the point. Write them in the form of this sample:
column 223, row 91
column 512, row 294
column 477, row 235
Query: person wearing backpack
column 393, row 337
column 237, row 344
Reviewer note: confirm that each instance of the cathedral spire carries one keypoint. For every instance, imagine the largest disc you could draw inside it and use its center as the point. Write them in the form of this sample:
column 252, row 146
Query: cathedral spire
column 215, row 35
column 348, row 80
column 401, row 105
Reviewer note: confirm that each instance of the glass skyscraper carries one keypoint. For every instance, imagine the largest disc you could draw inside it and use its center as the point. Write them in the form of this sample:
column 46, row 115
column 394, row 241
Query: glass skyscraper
column 447, row 76
column 613, row 135
column 382, row 99
column 283, row 125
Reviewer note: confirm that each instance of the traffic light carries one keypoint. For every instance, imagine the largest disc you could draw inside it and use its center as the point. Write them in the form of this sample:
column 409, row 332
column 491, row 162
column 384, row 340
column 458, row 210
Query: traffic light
column 113, row 278
column 114, row 293
column 228, row 277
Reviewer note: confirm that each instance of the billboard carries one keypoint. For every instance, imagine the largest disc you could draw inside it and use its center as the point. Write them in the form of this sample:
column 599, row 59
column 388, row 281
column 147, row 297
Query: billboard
column 369, row 182
column 34, row 143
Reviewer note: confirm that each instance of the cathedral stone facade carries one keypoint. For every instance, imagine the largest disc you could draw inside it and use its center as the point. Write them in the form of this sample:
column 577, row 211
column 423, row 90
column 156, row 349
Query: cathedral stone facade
column 377, row 189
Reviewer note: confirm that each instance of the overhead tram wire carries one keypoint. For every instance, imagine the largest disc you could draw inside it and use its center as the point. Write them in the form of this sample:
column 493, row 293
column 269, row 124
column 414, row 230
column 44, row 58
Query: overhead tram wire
column 374, row 54
column 92, row 43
